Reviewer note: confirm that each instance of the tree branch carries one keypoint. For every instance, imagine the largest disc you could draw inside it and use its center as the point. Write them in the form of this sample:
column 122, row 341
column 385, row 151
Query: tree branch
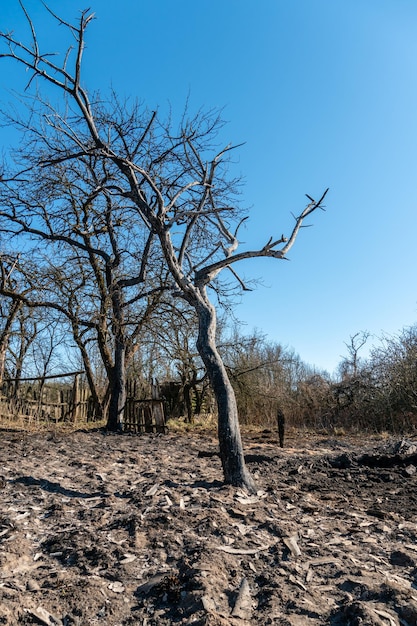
column 299, row 220
column 207, row 273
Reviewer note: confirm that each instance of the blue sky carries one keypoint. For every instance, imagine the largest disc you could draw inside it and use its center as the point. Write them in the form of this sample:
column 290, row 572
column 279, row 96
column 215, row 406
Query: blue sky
column 324, row 94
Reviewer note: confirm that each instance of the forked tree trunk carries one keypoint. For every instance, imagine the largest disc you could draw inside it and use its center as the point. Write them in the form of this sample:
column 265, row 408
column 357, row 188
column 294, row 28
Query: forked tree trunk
column 230, row 442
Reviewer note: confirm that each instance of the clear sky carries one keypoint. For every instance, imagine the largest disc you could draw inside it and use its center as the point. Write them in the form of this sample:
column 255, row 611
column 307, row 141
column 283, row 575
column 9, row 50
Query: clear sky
column 324, row 94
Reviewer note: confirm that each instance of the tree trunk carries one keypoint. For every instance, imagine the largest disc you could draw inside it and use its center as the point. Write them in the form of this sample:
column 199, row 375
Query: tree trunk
column 5, row 336
column 98, row 406
column 187, row 401
column 3, row 351
column 230, row 443
column 117, row 379
column 117, row 401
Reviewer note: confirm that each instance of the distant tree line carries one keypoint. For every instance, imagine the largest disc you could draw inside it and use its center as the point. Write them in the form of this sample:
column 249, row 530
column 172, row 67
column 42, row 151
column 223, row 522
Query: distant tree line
column 374, row 394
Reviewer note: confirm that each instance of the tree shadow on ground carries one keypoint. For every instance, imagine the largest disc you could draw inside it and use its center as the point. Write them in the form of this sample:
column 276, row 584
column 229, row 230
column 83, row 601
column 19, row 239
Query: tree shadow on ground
column 51, row 487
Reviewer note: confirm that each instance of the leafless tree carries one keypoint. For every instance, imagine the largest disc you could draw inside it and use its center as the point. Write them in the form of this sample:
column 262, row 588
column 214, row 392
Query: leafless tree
column 21, row 342
column 393, row 395
column 259, row 371
column 9, row 310
column 350, row 365
column 12, row 314
column 91, row 255
column 32, row 339
column 173, row 337
column 175, row 181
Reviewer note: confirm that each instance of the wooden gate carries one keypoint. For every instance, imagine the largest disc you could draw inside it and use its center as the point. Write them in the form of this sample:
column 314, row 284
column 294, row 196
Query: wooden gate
column 144, row 415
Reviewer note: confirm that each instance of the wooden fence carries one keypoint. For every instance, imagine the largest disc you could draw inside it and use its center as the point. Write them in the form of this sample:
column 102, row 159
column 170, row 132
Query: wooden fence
column 33, row 402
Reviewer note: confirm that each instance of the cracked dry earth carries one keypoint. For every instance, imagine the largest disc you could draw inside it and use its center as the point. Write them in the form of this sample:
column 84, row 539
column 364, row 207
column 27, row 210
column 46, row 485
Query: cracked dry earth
column 110, row 529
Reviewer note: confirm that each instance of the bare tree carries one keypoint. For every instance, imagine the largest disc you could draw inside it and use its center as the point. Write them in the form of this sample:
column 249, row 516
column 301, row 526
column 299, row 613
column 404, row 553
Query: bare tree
column 260, row 372
column 12, row 315
column 91, row 255
column 175, row 182
column 392, row 397
column 9, row 310
column 173, row 338
column 21, row 342
column 350, row 365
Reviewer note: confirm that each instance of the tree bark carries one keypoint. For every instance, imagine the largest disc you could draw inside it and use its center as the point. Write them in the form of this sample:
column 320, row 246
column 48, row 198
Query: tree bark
column 230, row 442
column 5, row 335
column 117, row 401
column 187, row 401
column 117, row 381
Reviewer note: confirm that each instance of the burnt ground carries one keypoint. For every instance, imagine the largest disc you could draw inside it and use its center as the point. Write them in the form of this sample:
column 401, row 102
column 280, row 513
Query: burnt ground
column 110, row 529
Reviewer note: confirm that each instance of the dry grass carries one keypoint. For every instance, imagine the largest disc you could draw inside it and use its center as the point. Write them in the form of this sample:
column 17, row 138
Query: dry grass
column 31, row 425
column 206, row 421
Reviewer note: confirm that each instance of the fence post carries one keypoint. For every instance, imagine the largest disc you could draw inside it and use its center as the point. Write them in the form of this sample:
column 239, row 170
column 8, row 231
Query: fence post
column 155, row 389
column 281, row 427
column 75, row 398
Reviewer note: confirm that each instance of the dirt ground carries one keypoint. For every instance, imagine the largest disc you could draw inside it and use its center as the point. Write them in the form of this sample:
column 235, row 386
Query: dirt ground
column 118, row 529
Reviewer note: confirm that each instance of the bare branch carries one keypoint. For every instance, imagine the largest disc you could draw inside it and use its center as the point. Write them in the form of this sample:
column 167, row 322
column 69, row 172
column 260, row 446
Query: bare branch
column 84, row 21
column 299, row 221
column 239, row 280
column 207, row 273
column 35, row 41
column 145, row 133
column 59, row 19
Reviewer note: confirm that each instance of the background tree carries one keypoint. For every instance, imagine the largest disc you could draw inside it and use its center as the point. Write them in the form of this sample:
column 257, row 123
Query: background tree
column 392, row 394
column 350, row 365
column 260, row 372
column 174, row 339
column 91, row 254
column 9, row 310
column 15, row 337
column 174, row 181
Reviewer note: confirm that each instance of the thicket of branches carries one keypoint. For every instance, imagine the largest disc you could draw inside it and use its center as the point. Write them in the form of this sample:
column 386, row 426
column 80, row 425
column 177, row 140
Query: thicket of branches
column 374, row 394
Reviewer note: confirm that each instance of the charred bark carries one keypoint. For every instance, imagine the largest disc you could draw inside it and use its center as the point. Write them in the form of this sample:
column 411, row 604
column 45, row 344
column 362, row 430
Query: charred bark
column 281, row 427
column 230, row 442
column 117, row 382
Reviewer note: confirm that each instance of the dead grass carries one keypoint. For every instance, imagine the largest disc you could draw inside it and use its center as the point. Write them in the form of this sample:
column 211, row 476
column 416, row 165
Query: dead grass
column 30, row 425
column 207, row 421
